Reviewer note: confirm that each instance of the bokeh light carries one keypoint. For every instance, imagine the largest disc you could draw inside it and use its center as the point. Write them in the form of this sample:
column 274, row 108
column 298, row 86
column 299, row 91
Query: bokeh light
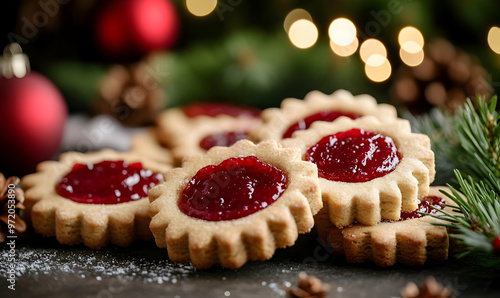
column 376, row 60
column 372, row 47
column 411, row 39
column 344, row 51
column 201, row 8
column 303, row 34
column 494, row 39
column 295, row 15
column 411, row 59
column 342, row 31
column 378, row 73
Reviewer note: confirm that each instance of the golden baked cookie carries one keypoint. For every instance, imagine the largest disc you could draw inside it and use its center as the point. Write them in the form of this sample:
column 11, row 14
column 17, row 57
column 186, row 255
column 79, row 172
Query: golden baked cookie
column 296, row 114
column 147, row 144
column 369, row 170
column 92, row 198
column 411, row 241
column 234, row 204
column 194, row 129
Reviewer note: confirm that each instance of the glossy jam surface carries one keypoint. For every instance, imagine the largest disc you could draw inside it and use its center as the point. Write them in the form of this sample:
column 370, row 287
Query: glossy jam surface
column 107, row 182
column 225, row 139
column 215, row 109
column 355, row 155
column 424, row 206
column 233, row 189
column 327, row 116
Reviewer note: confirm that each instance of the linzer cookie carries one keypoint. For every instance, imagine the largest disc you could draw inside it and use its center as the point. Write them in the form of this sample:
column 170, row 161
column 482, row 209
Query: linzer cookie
column 295, row 114
column 148, row 145
column 234, row 204
column 412, row 240
column 369, row 170
column 94, row 198
column 194, row 129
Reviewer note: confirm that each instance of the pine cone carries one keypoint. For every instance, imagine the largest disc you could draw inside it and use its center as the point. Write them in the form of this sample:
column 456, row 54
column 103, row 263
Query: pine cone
column 430, row 289
column 309, row 286
column 445, row 78
column 130, row 94
column 17, row 223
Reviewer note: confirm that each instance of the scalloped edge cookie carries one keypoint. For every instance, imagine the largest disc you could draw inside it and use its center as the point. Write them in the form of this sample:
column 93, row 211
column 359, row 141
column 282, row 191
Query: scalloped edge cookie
column 231, row 243
column 94, row 225
column 183, row 134
column 275, row 121
column 410, row 242
column 147, row 144
column 380, row 198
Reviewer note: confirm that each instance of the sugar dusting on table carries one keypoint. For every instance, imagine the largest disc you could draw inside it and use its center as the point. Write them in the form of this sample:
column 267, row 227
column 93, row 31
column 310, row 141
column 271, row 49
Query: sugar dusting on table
column 34, row 263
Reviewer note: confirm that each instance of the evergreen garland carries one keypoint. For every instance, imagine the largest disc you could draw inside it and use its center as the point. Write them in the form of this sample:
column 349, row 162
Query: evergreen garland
column 470, row 140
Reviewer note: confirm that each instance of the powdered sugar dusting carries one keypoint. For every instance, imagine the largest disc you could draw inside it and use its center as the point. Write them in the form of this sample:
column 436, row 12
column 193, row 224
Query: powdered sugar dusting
column 36, row 263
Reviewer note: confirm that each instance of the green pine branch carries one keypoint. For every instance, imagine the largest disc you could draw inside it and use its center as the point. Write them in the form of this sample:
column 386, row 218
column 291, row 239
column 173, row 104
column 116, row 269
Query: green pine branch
column 479, row 135
column 475, row 221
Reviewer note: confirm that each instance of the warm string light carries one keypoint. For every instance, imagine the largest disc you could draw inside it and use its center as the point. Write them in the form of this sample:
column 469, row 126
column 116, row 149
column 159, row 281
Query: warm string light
column 303, row 34
column 374, row 54
column 343, row 40
column 300, row 28
column 295, row 15
column 378, row 68
column 411, row 59
column 411, row 41
column 371, row 47
column 201, row 8
column 342, row 32
column 494, row 39
column 344, row 51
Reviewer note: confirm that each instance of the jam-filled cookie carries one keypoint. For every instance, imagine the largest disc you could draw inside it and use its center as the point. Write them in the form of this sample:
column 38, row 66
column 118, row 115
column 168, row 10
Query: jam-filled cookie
column 234, row 204
column 194, row 129
column 92, row 198
column 148, row 145
column 369, row 170
column 412, row 240
column 296, row 114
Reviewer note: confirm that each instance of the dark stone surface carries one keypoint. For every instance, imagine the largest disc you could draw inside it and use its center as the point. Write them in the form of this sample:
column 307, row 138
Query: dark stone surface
column 46, row 269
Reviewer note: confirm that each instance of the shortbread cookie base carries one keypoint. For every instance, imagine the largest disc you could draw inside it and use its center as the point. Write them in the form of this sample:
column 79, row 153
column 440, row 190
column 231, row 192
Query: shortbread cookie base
column 183, row 135
column 410, row 242
column 275, row 121
column 233, row 242
column 94, row 225
column 147, row 144
column 380, row 198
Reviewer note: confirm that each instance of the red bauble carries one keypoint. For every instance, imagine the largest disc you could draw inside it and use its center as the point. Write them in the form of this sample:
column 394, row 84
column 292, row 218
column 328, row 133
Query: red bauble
column 32, row 118
column 128, row 28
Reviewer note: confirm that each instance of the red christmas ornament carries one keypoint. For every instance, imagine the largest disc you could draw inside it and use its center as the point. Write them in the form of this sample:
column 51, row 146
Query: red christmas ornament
column 32, row 114
column 126, row 28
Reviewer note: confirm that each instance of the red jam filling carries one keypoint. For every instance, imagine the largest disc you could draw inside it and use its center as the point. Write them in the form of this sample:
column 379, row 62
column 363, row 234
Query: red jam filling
column 215, row 109
column 107, row 182
column 233, row 189
column 327, row 116
column 355, row 155
column 424, row 206
column 222, row 139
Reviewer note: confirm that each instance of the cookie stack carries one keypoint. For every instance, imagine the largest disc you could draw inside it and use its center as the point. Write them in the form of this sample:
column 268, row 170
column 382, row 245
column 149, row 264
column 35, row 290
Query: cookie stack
column 246, row 183
column 374, row 176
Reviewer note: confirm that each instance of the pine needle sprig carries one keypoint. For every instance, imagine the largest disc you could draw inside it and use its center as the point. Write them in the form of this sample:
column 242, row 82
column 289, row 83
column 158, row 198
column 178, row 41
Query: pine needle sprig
column 478, row 133
column 475, row 221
